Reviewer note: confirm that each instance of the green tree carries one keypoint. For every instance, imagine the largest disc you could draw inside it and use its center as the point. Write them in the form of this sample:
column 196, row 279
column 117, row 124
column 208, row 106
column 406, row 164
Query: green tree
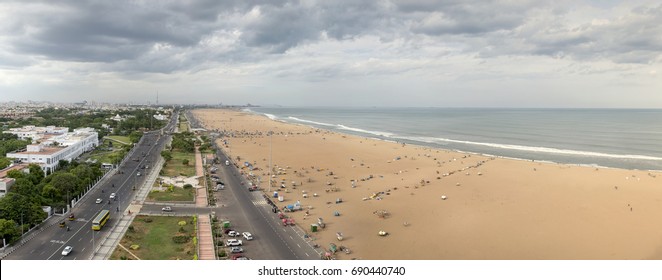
column 36, row 173
column 16, row 174
column 135, row 136
column 66, row 183
column 4, row 162
column 167, row 155
column 9, row 230
column 185, row 161
column 51, row 193
column 24, row 187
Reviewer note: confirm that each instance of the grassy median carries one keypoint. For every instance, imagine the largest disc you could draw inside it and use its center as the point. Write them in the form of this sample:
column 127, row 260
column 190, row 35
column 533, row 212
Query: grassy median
column 158, row 238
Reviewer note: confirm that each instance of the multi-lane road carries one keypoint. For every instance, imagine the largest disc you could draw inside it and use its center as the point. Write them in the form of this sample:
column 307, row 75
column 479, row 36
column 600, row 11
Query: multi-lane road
column 49, row 243
column 247, row 211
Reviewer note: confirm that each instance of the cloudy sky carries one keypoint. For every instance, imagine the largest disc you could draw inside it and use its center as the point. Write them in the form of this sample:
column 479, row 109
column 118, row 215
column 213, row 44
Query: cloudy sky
column 338, row 53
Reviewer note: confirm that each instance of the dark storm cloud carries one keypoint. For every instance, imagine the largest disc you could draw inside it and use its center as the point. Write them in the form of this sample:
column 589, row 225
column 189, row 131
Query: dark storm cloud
column 107, row 31
column 170, row 36
column 463, row 17
column 633, row 38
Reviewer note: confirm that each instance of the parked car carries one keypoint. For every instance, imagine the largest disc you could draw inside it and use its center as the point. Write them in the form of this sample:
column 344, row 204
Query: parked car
column 227, row 230
column 138, row 174
column 233, row 233
column 233, row 242
column 236, row 250
column 227, row 162
column 67, row 250
column 247, row 235
column 99, row 200
column 166, row 209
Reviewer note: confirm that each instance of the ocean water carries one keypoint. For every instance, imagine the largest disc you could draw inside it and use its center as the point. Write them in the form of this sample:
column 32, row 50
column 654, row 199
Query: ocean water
column 620, row 138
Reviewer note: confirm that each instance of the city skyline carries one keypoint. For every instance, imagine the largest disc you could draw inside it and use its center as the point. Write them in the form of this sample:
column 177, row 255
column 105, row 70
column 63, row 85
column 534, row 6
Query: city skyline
column 584, row 54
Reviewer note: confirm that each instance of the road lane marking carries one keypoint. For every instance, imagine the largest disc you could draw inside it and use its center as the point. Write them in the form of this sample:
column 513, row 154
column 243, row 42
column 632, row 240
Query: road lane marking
column 298, row 245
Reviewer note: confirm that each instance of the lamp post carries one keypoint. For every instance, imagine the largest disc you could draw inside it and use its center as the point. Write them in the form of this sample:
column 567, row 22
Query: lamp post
column 271, row 168
column 93, row 245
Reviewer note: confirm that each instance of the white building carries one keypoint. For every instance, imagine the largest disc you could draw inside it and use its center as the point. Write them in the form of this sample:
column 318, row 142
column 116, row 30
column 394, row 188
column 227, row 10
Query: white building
column 161, row 117
column 36, row 133
column 5, row 185
column 55, row 147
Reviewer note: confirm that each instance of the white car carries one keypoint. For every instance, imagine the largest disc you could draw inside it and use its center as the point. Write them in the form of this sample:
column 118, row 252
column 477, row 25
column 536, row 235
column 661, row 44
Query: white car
column 67, row 250
column 227, row 162
column 166, row 209
column 236, row 250
column 112, row 196
column 247, row 235
column 233, row 233
column 99, row 200
column 233, row 242
column 138, row 174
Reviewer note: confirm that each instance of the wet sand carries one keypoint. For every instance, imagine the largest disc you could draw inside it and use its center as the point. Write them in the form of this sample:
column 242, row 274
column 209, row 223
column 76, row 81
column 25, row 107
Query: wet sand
column 495, row 208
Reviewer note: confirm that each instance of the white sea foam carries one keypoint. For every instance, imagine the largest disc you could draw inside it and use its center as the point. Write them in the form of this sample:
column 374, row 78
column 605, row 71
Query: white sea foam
column 270, row 116
column 309, row 121
column 378, row 133
column 344, row 127
column 437, row 140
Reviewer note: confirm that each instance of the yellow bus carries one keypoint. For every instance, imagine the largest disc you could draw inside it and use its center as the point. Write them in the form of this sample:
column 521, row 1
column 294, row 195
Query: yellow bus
column 100, row 220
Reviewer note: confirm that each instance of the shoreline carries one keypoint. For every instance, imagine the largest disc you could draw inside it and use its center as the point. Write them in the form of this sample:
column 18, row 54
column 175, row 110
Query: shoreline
column 443, row 204
column 417, row 143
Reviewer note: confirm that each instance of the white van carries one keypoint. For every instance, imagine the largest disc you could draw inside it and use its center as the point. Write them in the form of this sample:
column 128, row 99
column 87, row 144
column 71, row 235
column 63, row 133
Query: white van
column 227, row 162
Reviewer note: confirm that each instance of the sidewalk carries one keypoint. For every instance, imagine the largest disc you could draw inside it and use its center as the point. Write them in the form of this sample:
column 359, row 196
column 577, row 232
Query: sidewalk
column 205, row 240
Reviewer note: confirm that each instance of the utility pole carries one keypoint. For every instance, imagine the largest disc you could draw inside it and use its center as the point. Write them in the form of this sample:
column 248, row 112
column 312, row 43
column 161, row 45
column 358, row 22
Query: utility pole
column 271, row 168
column 93, row 245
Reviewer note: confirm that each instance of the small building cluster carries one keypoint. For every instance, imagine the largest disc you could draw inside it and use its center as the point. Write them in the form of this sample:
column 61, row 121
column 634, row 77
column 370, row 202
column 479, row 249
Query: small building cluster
column 52, row 144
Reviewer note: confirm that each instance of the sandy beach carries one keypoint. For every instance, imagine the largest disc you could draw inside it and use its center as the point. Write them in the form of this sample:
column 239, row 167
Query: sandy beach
column 494, row 208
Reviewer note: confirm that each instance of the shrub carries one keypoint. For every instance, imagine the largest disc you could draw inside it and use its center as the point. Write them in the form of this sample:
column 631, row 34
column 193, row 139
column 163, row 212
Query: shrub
column 188, row 186
column 181, row 239
column 221, row 254
column 123, row 258
column 182, row 230
column 181, row 223
column 131, row 228
column 134, row 247
column 195, row 241
column 147, row 220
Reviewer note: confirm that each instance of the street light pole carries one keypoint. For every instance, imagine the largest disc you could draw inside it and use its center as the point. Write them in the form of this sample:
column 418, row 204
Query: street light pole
column 93, row 245
column 271, row 168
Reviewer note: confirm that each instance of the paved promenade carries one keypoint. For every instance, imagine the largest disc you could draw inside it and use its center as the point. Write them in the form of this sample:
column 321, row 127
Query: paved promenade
column 205, row 239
